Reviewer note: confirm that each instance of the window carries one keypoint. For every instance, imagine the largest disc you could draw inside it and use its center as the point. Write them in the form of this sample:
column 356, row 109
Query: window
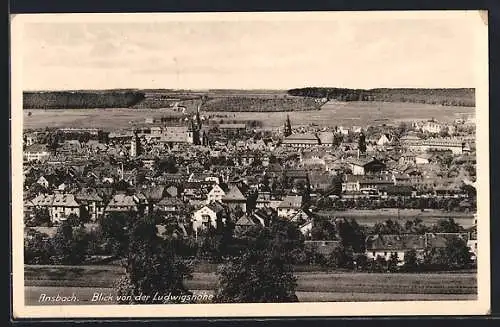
column 385, row 254
column 373, row 253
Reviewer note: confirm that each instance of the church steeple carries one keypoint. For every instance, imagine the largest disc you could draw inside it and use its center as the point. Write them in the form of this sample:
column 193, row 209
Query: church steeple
column 288, row 127
column 198, row 119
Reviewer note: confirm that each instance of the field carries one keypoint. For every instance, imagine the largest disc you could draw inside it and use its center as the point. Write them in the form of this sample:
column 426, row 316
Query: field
column 106, row 119
column 429, row 217
column 312, row 286
column 332, row 113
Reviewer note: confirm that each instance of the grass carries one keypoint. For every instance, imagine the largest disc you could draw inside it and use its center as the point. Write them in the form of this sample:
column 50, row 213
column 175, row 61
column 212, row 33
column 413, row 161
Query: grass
column 330, row 282
column 333, row 113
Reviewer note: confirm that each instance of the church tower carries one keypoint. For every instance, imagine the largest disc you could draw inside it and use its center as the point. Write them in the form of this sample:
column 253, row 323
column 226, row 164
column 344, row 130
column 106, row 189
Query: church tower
column 194, row 134
column 134, row 145
column 198, row 118
column 288, row 127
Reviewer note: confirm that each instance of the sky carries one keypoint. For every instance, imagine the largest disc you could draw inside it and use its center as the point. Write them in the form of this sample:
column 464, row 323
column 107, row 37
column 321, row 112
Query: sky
column 253, row 53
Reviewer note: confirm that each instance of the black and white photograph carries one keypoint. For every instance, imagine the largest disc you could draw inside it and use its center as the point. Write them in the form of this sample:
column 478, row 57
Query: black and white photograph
column 250, row 164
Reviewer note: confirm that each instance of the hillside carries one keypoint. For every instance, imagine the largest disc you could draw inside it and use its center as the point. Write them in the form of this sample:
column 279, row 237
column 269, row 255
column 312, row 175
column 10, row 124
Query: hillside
column 301, row 99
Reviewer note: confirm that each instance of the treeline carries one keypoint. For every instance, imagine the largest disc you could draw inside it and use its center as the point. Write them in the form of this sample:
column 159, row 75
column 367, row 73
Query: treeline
column 81, row 99
column 159, row 100
column 446, row 97
column 432, row 203
column 260, row 104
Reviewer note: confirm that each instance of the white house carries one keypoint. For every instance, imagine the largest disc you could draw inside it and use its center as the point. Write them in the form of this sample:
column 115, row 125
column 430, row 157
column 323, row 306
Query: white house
column 306, row 228
column 207, row 216
column 385, row 246
column 384, row 140
column 215, row 194
column 432, row 126
column 60, row 206
column 289, row 206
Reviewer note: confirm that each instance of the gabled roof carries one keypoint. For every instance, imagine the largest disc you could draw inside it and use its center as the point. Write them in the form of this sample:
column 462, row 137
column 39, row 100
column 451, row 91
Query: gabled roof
column 302, row 213
column 43, row 200
column 65, row 200
column 395, row 242
column 233, row 194
column 217, row 187
column 122, row 200
column 439, row 240
column 245, row 221
column 326, row 137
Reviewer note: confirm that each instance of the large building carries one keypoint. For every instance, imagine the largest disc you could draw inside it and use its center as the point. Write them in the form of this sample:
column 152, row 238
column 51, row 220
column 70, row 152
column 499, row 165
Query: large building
column 305, row 140
column 456, row 146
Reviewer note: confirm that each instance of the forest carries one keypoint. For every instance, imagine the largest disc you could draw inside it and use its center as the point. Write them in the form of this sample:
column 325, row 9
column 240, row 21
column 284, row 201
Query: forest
column 446, row 97
column 81, row 99
column 262, row 104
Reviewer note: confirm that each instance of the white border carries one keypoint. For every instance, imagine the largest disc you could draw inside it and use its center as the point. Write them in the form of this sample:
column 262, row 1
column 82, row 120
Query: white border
column 477, row 307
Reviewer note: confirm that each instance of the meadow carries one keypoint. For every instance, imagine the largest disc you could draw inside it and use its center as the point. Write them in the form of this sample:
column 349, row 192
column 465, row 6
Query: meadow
column 332, row 113
column 311, row 286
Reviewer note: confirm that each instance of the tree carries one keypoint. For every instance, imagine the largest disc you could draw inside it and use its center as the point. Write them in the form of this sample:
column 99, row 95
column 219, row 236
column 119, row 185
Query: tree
column 351, row 235
column 410, row 260
column 456, row 253
column 323, row 230
column 379, row 264
column 74, row 220
column 390, row 227
column 69, row 247
column 258, row 276
column 41, row 217
column 37, row 248
column 168, row 165
column 53, row 142
column 341, row 257
column 336, row 187
column 392, row 263
column 415, row 226
column 446, row 226
column 115, row 231
column 362, row 143
column 151, row 267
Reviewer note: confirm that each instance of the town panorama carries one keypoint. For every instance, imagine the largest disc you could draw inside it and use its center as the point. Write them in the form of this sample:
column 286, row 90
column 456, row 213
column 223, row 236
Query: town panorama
column 240, row 198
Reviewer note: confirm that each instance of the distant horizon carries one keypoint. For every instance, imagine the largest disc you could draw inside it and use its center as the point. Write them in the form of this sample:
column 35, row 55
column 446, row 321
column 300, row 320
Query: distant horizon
column 246, row 89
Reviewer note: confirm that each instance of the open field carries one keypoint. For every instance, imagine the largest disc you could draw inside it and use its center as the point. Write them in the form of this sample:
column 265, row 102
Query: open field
column 107, row 119
column 429, row 217
column 332, row 113
column 312, row 286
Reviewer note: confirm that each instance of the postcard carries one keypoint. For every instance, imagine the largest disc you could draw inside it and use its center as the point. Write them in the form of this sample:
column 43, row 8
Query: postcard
column 250, row 164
